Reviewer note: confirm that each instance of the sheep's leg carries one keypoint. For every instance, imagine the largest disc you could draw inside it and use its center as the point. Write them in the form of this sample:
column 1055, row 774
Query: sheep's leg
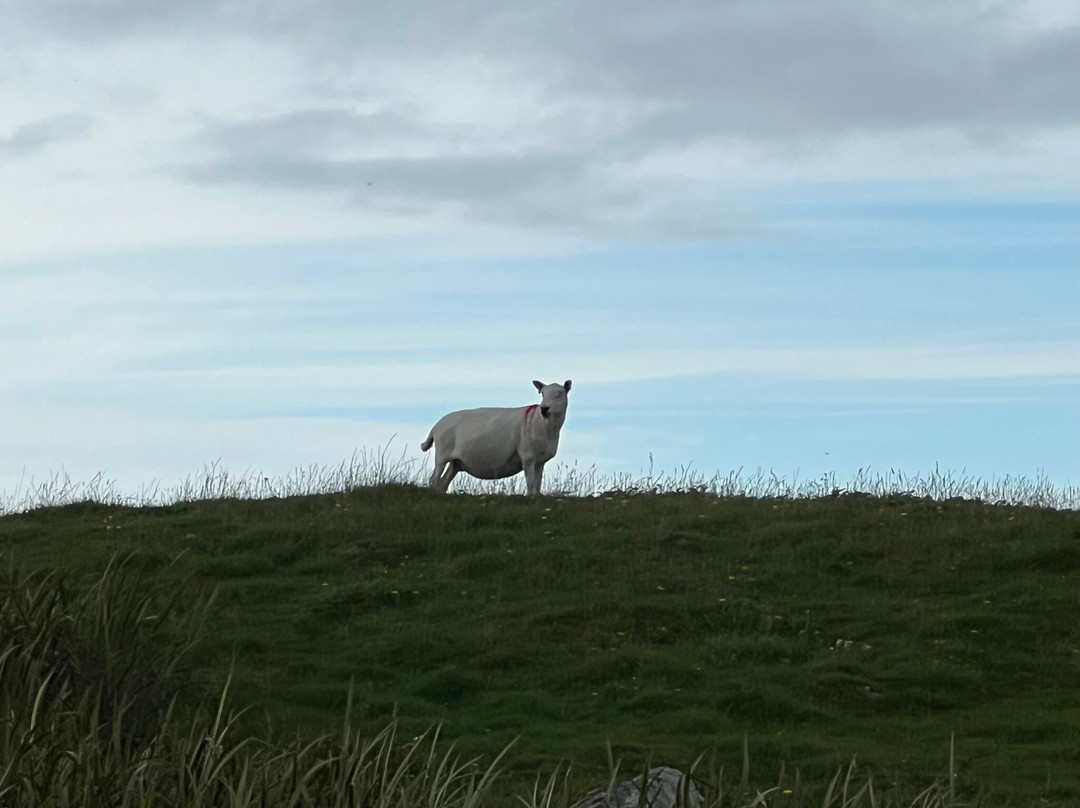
column 448, row 475
column 440, row 466
column 534, row 473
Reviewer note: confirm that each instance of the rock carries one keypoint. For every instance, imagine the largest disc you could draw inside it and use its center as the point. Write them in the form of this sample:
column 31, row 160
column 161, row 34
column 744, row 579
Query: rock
column 665, row 790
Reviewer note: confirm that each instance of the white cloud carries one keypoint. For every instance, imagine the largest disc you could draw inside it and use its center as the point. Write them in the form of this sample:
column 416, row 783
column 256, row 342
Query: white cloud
column 368, row 381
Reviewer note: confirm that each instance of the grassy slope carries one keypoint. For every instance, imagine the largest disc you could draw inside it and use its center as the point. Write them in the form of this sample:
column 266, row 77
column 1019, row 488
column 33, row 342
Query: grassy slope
column 674, row 623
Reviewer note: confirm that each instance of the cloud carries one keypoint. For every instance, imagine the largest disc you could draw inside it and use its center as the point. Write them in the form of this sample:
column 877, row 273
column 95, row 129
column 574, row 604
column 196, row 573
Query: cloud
column 787, row 71
column 569, row 118
column 362, row 382
column 770, row 68
column 35, row 136
column 438, row 178
column 572, row 191
column 559, row 119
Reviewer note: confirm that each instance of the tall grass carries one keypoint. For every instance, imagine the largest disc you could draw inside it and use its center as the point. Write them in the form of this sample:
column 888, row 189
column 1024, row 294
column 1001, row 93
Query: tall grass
column 367, row 467
column 99, row 707
column 364, row 468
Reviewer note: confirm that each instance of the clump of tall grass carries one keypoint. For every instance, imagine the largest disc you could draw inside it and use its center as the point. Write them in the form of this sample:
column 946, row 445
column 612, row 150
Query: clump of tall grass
column 86, row 676
column 367, row 468
column 98, row 707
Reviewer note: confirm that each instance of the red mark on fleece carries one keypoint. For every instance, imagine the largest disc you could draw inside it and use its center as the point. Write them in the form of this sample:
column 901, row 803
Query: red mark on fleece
column 529, row 410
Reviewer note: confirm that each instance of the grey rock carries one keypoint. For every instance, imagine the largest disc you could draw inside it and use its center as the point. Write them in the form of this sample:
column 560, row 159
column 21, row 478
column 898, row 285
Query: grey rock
column 665, row 790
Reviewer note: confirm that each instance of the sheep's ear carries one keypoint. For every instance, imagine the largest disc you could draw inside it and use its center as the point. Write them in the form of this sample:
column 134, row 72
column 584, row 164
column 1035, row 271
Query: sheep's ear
column 566, row 385
column 538, row 385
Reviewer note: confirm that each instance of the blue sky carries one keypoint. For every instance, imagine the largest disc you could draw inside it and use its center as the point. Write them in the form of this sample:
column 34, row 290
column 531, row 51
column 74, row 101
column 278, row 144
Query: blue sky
column 755, row 236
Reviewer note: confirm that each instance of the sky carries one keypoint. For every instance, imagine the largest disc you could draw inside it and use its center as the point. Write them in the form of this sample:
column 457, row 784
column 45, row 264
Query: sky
column 810, row 238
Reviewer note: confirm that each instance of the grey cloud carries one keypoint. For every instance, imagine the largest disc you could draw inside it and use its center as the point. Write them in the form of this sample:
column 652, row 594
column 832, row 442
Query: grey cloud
column 790, row 75
column 312, row 131
column 824, row 67
column 563, row 191
column 117, row 19
column 1040, row 81
column 549, row 192
column 37, row 135
column 768, row 68
column 461, row 180
column 347, row 24
column 132, row 96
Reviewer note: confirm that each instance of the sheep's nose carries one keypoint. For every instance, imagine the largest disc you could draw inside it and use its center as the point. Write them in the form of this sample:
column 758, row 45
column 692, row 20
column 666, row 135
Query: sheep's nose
column 544, row 411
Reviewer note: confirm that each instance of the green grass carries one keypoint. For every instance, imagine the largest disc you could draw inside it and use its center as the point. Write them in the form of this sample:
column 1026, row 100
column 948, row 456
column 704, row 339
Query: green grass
column 663, row 625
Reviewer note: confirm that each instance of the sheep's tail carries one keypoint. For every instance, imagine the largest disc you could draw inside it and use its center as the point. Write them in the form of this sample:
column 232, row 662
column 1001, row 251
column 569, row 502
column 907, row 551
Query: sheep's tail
column 427, row 444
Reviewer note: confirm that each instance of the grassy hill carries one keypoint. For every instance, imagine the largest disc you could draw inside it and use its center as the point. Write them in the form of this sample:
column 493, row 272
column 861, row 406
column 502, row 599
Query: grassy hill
column 659, row 624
